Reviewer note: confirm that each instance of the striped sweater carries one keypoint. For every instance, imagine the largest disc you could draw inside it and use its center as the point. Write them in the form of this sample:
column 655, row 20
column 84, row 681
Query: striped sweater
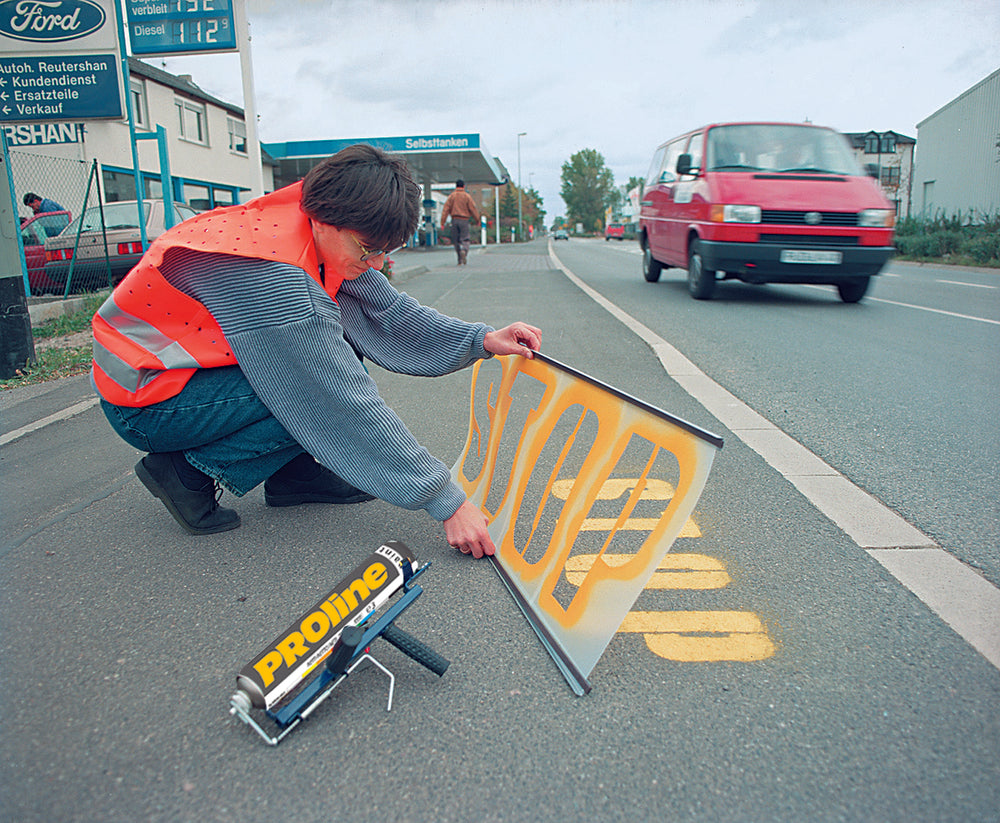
column 299, row 351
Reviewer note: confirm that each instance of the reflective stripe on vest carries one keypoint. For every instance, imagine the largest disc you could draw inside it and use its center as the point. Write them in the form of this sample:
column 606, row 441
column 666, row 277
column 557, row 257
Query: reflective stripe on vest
column 149, row 338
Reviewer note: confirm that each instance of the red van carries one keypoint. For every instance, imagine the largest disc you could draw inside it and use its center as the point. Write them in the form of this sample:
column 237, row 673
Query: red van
column 764, row 203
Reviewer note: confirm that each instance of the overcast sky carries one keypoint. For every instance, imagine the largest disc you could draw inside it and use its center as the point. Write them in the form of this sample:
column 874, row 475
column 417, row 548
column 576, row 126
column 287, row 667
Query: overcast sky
column 618, row 76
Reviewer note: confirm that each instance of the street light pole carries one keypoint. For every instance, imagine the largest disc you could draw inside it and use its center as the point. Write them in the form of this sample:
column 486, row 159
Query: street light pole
column 519, row 226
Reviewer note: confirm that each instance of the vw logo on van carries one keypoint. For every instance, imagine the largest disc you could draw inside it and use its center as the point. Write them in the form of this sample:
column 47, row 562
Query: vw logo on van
column 49, row 21
column 813, row 218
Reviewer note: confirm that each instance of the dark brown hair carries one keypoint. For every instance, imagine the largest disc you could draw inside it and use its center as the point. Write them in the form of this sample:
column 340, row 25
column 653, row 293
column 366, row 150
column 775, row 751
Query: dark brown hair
column 366, row 190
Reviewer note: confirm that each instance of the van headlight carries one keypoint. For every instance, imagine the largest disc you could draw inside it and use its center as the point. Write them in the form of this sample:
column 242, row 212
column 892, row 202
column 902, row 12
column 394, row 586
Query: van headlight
column 877, row 218
column 735, row 214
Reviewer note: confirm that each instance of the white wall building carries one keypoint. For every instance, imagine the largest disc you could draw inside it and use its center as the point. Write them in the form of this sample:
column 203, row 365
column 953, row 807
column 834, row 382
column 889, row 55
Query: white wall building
column 892, row 155
column 958, row 160
column 205, row 137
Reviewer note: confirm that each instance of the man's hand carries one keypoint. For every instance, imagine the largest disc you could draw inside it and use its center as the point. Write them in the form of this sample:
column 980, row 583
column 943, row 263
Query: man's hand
column 466, row 531
column 517, row 338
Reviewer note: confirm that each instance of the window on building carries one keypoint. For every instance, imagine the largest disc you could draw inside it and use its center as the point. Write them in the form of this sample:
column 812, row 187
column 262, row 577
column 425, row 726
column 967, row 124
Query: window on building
column 198, row 197
column 153, row 187
column 888, row 143
column 140, row 111
column 224, row 197
column 193, row 121
column 871, row 143
column 118, row 185
column 237, row 136
column 890, row 176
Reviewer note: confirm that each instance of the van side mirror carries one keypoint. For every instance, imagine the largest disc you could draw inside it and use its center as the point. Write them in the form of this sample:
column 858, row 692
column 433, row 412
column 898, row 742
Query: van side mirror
column 684, row 164
column 871, row 170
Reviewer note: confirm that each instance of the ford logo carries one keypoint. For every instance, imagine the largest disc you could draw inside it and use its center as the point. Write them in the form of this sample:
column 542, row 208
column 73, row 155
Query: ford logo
column 813, row 218
column 49, row 21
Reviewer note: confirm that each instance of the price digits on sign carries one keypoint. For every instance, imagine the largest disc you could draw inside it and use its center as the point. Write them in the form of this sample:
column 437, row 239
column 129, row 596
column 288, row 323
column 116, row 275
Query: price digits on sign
column 199, row 6
column 203, row 30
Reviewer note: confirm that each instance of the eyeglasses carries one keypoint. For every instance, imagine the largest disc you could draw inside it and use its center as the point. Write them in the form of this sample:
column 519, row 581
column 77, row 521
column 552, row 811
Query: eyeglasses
column 366, row 253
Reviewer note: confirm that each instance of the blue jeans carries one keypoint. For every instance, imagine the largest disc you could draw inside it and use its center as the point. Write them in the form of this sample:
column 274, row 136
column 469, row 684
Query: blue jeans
column 220, row 425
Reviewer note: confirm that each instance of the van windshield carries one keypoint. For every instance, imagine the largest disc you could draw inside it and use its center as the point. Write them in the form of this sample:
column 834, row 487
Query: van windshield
column 779, row 149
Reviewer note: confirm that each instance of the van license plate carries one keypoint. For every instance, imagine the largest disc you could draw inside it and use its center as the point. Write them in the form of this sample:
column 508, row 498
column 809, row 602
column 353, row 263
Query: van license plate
column 830, row 258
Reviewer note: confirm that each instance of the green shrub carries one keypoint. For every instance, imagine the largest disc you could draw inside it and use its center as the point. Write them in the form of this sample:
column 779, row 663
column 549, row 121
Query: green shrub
column 971, row 237
column 984, row 249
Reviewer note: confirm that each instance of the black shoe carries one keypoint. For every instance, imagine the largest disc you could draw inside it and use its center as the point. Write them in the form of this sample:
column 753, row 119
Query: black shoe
column 198, row 512
column 326, row 487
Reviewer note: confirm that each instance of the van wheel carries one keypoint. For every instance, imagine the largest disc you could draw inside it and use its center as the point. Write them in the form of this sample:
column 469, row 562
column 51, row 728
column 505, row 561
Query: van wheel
column 851, row 291
column 701, row 283
column 651, row 267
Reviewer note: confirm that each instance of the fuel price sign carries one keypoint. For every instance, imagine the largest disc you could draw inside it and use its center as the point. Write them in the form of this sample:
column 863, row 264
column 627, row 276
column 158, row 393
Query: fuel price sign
column 180, row 26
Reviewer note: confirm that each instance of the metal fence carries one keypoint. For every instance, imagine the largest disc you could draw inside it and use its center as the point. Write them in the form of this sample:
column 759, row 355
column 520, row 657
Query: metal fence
column 74, row 185
column 57, row 178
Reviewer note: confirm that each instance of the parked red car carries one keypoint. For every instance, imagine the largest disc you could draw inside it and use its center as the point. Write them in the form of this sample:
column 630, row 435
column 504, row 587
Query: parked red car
column 35, row 230
column 614, row 230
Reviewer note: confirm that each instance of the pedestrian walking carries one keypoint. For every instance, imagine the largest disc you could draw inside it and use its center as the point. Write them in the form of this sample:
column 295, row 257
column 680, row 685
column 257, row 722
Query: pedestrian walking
column 461, row 208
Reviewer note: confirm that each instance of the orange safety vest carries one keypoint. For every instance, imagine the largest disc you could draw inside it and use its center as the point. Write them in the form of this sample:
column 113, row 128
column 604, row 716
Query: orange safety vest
column 149, row 338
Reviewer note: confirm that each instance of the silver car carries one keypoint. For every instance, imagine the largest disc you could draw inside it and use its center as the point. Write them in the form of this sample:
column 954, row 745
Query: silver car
column 92, row 268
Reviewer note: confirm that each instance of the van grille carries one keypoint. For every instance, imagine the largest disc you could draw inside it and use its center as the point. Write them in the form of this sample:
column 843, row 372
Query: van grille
column 798, row 218
column 809, row 239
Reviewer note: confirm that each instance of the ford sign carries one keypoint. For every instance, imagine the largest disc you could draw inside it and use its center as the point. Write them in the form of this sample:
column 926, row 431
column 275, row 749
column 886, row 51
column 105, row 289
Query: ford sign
column 49, row 21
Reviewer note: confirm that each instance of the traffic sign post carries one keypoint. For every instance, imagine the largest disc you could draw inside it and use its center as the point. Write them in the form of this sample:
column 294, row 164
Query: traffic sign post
column 59, row 60
column 60, row 87
column 17, row 347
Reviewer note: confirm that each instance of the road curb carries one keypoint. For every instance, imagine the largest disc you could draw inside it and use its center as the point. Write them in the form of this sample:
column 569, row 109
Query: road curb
column 43, row 309
column 403, row 275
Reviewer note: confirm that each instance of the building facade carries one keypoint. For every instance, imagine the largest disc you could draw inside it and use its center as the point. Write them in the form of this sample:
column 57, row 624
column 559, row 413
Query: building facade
column 892, row 156
column 205, row 141
column 958, row 164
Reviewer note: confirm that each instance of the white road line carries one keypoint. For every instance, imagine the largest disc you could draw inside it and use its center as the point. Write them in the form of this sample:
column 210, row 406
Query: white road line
column 71, row 411
column 960, row 596
column 963, row 599
column 970, row 285
column 935, row 311
column 911, row 306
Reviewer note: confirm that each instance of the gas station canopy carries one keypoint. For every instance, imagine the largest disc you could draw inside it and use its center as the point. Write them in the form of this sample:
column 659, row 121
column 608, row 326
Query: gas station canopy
column 441, row 158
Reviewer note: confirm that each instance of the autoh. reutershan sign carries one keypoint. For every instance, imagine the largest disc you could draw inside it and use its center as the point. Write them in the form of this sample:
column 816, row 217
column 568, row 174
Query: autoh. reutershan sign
column 59, row 60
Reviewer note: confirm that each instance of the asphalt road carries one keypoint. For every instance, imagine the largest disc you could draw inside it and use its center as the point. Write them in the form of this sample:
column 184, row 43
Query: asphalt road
column 899, row 392
column 816, row 687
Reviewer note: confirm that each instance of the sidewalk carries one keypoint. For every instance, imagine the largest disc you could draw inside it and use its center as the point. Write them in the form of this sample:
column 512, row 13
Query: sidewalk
column 123, row 634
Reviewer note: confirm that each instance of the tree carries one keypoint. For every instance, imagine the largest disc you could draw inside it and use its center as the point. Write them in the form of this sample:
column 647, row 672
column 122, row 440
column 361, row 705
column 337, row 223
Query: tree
column 588, row 187
column 508, row 201
column 534, row 208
